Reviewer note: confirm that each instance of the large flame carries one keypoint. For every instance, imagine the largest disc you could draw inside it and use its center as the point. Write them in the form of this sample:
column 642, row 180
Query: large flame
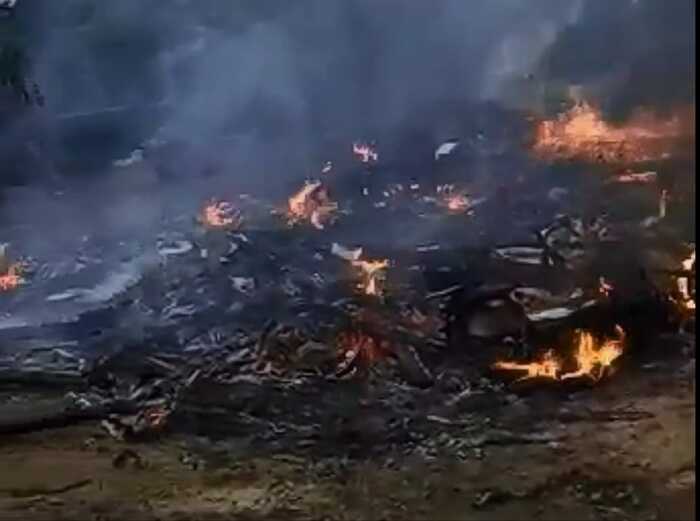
column 311, row 203
column 12, row 278
column 220, row 214
column 372, row 272
column 581, row 132
column 592, row 359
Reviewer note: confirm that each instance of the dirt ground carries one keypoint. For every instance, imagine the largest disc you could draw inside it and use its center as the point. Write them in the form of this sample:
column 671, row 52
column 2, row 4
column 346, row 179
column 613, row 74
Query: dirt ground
column 624, row 469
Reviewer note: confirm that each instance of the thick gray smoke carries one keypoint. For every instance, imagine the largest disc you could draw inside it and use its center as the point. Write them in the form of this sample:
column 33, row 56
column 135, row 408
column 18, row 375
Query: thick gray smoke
column 260, row 89
column 632, row 53
column 304, row 69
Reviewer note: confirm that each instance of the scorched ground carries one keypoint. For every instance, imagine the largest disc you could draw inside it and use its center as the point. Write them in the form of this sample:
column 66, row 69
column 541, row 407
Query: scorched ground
column 519, row 344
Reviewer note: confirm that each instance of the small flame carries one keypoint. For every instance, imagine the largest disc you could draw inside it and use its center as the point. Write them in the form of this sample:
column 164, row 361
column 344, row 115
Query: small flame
column 11, row 279
column 548, row 367
column 372, row 272
column 220, row 214
column 365, row 152
column 592, row 360
column 311, row 203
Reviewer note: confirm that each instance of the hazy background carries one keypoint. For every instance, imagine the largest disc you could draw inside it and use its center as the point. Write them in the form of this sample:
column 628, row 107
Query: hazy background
column 261, row 93
column 302, row 72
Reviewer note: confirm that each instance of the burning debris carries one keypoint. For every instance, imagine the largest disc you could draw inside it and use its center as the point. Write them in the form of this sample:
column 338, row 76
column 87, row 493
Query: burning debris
column 592, row 359
column 357, row 351
column 686, row 283
column 10, row 272
column 306, row 345
column 12, row 278
column 372, row 272
column 372, row 275
column 221, row 215
column 547, row 367
column 365, row 152
column 313, row 204
column 582, row 133
column 454, row 200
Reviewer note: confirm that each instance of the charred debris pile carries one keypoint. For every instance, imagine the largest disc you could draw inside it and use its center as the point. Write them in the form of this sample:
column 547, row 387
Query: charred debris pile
column 373, row 311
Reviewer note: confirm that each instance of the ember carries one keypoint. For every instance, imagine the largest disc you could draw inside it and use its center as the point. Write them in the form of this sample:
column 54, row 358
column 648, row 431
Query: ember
column 312, row 204
column 12, row 278
column 365, row 152
column 220, row 214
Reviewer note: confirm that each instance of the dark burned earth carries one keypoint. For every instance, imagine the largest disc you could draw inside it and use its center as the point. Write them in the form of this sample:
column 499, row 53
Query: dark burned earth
column 459, row 346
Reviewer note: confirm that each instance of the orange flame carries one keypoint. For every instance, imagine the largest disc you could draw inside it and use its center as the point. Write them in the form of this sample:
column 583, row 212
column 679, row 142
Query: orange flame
column 311, row 203
column 371, row 271
column 12, row 278
column 358, row 346
column 581, row 132
column 548, row 367
column 365, row 152
column 591, row 360
column 220, row 214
